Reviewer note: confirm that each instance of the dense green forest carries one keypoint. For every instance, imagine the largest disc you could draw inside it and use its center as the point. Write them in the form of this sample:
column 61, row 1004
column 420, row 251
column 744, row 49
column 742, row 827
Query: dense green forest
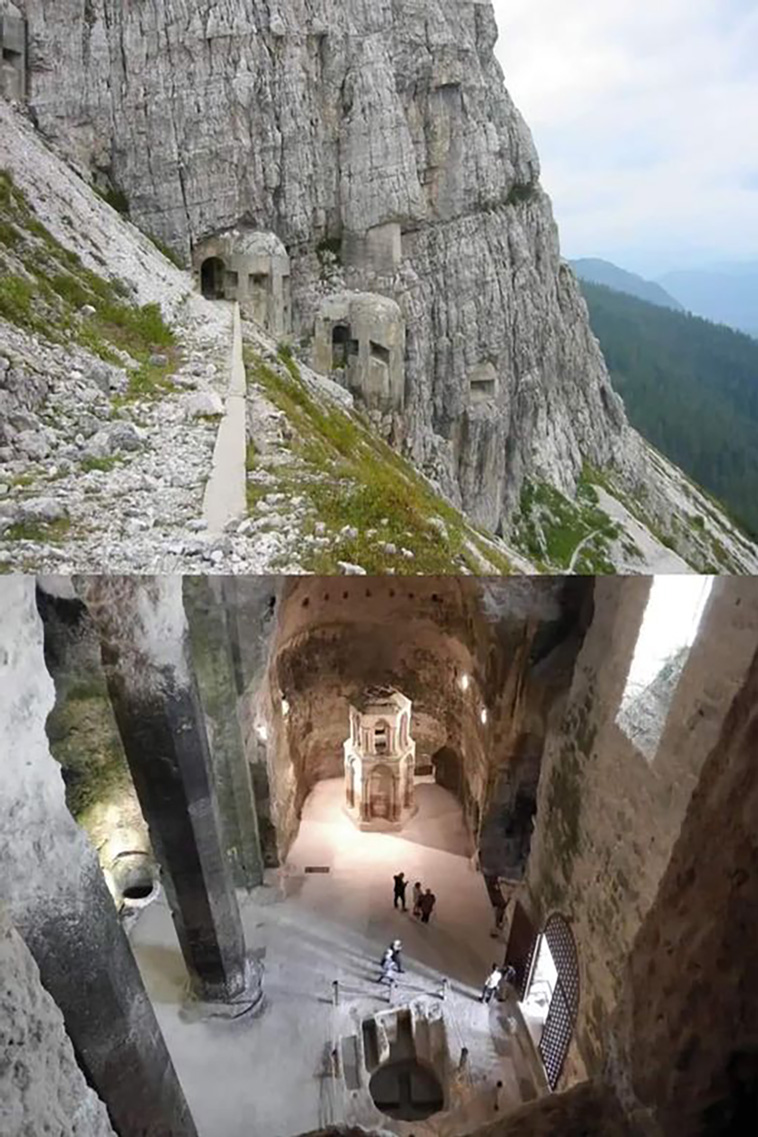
column 690, row 387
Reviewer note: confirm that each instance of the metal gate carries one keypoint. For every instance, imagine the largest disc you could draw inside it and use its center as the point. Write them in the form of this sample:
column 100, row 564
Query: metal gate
column 564, row 1004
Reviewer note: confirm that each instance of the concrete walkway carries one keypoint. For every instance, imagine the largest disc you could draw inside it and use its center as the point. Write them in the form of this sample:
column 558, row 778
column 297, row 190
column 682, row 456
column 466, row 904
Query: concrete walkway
column 225, row 497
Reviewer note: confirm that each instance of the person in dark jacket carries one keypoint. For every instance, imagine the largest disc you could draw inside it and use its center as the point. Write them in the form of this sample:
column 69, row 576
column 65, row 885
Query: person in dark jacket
column 400, row 886
column 426, row 904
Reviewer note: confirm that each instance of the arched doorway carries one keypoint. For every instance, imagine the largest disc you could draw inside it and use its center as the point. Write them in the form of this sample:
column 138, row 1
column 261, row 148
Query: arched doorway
column 448, row 771
column 212, row 278
column 381, row 795
column 551, row 998
column 350, row 785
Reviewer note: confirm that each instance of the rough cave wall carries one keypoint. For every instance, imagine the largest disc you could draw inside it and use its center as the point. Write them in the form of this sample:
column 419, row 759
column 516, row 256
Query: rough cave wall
column 531, row 679
column 687, row 1026
column 54, row 892
column 84, row 737
column 607, row 817
column 42, row 1090
column 381, row 125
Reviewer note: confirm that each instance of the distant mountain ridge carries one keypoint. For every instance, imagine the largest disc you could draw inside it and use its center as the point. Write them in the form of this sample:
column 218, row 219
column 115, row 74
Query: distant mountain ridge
column 725, row 294
column 597, row 271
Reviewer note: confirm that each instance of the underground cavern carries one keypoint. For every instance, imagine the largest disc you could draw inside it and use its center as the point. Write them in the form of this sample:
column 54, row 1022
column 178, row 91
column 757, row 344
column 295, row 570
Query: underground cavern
column 192, row 916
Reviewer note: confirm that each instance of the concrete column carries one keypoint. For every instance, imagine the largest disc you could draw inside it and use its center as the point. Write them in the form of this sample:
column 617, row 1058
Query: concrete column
column 153, row 690
column 56, row 896
column 214, row 666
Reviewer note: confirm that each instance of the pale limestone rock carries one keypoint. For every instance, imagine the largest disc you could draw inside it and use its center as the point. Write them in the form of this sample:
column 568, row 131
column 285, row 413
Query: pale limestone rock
column 383, row 125
column 42, row 1090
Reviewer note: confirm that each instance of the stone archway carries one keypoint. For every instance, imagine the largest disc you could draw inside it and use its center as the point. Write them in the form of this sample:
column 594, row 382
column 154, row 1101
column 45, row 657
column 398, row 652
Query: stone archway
column 382, row 795
column 212, row 278
column 448, row 771
column 350, row 785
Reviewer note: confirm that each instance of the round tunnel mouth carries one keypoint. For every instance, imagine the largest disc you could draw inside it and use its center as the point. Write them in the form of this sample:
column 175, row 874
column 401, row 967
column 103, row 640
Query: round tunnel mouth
column 138, row 891
column 407, row 1090
column 136, row 879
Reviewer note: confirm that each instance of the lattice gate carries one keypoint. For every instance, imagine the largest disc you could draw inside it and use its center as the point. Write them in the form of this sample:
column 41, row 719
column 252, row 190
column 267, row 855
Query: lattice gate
column 564, row 1004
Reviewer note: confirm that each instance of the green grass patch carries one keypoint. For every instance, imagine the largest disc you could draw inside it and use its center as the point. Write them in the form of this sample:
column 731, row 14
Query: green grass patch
column 115, row 198
column 102, row 464
column 707, row 552
column 551, row 528
column 284, row 351
column 41, row 532
column 167, row 251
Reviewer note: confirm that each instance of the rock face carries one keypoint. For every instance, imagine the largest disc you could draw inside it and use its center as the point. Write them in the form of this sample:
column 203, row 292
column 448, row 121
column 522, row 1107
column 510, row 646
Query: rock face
column 609, row 815
column 382, row 130
column 42, row 1090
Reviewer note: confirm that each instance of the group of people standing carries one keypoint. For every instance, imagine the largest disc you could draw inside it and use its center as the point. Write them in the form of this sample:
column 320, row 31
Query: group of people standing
column 423, row 905
column 423, row 899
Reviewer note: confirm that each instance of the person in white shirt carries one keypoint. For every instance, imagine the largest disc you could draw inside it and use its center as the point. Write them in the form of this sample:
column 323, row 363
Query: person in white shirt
column 491, row 983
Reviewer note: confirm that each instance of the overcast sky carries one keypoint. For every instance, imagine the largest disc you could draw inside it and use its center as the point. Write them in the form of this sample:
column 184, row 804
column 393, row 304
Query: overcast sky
column 645, row 116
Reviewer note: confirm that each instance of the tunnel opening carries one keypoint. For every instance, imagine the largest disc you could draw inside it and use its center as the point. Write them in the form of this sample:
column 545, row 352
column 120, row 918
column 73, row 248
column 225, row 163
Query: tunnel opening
column 406, row 1090
column 135, row 877
column 447, row 767
column 212, row 278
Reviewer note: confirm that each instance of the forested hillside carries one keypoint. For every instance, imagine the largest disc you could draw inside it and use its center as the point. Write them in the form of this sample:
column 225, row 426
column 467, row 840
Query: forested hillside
column 690, row 387
column 598, row 271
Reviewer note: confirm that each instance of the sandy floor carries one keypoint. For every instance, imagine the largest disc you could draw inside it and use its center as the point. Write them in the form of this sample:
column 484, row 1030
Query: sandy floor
column 267, row 1075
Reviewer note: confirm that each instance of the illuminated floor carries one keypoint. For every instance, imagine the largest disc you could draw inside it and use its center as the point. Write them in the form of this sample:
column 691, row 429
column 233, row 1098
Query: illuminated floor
column 269, row 1075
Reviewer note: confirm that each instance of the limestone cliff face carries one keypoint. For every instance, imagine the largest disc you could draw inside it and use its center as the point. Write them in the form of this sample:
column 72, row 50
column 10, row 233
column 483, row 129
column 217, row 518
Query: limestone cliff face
column 42, row 1089
column 379, row 125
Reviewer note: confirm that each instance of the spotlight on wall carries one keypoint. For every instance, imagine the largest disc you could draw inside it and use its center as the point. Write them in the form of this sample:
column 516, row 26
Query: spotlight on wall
column 483, row 714
column 285, row 707
column 465, row 681
column 262, row 731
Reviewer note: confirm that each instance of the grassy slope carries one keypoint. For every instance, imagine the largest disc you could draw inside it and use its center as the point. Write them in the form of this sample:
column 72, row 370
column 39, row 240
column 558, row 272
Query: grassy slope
column 45, row 287
column 352, row 480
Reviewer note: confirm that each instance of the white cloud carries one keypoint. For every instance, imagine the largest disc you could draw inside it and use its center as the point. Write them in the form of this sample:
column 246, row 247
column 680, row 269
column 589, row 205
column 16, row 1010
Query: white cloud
column 644, row 113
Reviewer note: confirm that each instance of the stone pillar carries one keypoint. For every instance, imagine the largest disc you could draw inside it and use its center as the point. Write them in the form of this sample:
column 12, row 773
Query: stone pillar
column 215, row 670
column 55, row 894
column 153, row 690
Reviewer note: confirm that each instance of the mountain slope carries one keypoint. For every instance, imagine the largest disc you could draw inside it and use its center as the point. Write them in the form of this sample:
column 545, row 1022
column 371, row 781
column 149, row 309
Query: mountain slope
column 726, row 294
column 348, row 126
column 385, row 132
column 597, row 271
column 690, row 387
